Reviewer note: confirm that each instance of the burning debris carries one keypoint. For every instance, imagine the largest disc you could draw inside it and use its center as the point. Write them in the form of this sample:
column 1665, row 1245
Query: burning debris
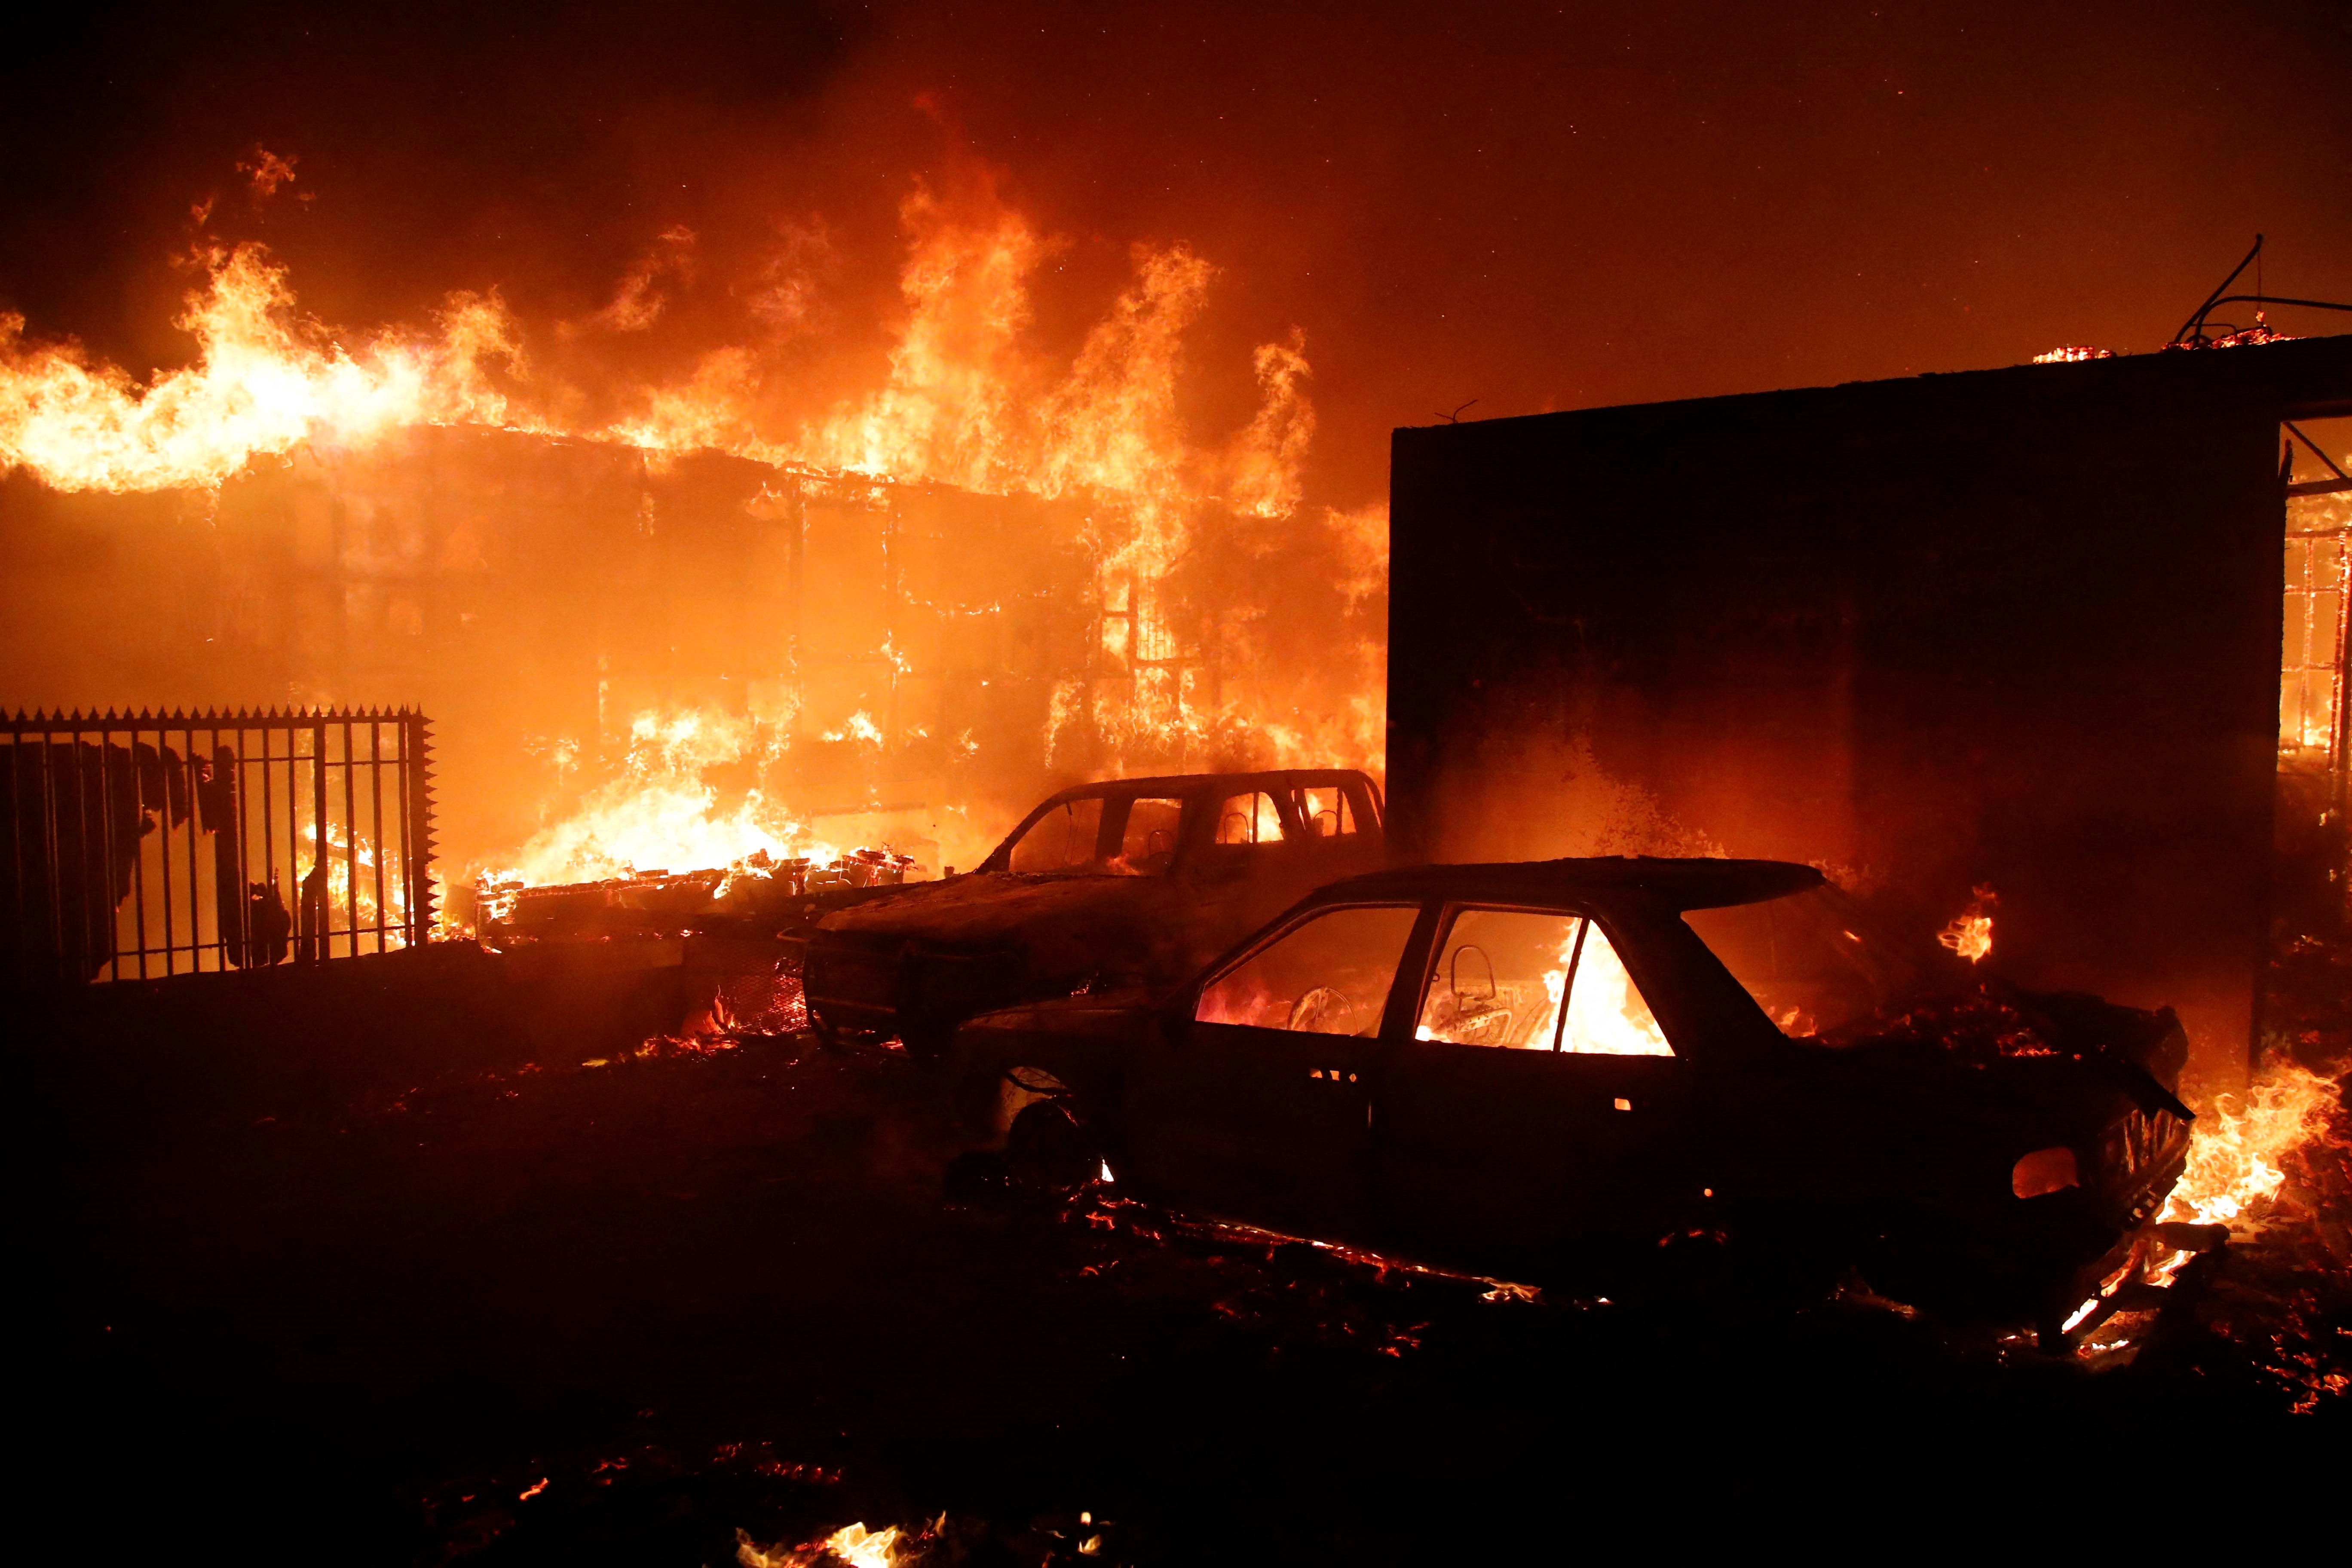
column 1971, row 932
column 2239, row 1148
column 757, row 894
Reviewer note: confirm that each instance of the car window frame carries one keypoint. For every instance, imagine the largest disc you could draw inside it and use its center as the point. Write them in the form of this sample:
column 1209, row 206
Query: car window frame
column 1111, row 794
column 1351, row 790
column 1187, row 1004
column 1201, row 795
column 1448, row 908
column 1114, row 836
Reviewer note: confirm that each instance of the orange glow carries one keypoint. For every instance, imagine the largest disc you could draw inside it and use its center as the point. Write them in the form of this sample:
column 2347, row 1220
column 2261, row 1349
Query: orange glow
column 852, row 1545
column 659, row 814
column 1970, row 933
column 1606, row 1015
column 2236, row 1147
column 263, row 380
column 968, row 399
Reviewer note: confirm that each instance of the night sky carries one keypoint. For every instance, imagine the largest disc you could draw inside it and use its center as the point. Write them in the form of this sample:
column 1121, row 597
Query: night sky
column 1533, row 206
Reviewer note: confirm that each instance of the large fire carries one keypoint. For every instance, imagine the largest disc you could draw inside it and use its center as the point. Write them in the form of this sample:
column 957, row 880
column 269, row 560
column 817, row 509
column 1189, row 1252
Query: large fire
column 2236, row 1147
column 660, row 815
column 1971, row 932
column 263, row 381
column 968, row 399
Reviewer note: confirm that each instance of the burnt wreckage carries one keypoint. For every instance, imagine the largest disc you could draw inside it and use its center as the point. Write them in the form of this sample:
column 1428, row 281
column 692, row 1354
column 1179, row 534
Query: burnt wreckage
column 1544, row 1072
column 1103, row 888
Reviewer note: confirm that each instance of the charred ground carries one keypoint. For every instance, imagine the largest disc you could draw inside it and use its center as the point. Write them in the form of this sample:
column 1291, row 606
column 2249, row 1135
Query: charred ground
column 444, row 1292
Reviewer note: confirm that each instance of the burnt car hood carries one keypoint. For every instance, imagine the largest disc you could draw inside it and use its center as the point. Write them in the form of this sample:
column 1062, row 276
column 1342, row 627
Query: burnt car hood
column 1057, row 924
column 2002, row 1029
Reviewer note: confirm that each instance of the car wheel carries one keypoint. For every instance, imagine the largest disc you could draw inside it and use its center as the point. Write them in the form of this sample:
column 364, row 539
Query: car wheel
column 927, row 1039
column 1047, row 1154
column 827, row 1037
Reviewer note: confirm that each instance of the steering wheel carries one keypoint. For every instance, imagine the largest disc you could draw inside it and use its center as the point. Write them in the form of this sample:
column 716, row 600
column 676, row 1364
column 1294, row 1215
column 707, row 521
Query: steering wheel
column 1323, row 1010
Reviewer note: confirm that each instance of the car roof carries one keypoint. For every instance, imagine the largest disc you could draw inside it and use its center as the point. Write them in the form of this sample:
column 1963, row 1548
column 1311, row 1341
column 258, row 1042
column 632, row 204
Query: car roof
column 1710, row 884
column 1182, row 784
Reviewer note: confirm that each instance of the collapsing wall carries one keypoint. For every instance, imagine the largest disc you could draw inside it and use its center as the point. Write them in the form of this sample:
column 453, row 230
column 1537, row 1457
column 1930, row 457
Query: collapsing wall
column 2017, row 628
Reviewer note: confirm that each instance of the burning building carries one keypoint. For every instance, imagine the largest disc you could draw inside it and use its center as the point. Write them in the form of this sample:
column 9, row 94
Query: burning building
column 689, row 628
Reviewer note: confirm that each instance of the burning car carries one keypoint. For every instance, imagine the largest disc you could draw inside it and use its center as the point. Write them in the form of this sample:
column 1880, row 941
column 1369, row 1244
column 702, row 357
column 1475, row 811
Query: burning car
column 1105, row 887
column 1544, row 1072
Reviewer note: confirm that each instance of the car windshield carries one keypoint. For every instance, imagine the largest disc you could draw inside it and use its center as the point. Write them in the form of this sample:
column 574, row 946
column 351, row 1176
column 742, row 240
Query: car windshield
column 1814, row 961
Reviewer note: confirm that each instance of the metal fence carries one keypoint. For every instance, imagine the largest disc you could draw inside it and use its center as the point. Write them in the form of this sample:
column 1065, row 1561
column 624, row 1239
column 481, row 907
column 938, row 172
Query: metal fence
column 147, row 846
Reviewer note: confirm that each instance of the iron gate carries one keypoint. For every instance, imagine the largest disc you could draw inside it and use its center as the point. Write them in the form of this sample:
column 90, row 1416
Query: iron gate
column 148, row 845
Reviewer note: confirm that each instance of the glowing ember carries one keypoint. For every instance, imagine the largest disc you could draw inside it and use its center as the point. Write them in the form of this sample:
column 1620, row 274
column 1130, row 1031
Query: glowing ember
column 2236, row 1147
column 1970, row 935
column 2073, row 355
column 263, row 380
column 851, row 1544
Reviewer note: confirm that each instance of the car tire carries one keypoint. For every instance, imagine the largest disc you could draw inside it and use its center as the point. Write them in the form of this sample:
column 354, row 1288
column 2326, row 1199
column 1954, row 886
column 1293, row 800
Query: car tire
column 1047, row 1154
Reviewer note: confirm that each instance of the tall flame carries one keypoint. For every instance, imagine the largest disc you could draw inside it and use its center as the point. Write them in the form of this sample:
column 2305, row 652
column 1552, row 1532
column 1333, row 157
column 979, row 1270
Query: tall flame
column 262, row 381
column 1971, row 932
column 968, row 400
column 659, row 813
column 2237, row 1148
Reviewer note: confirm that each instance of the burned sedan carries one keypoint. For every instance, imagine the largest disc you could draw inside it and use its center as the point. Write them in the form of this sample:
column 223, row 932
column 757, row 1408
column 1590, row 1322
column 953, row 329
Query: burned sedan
column 1542, row 1072
column 1107, row 885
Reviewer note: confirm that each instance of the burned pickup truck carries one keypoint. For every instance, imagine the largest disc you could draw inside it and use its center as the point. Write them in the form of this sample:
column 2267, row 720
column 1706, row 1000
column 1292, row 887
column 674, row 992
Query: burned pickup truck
column 1105, row 887
column 1542, row 1072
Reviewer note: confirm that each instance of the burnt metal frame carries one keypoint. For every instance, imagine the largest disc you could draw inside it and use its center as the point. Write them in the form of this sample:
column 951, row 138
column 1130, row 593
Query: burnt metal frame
column 2339, row 759
column 395, row 849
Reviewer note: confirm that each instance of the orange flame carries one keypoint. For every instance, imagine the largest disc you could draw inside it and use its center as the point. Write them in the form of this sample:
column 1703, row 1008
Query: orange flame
column 1606, row 1017
column 852, row 1545
column 2237, row 1146
column 263, row 380
column 1970, row 934
column 659, row 813
column 966, row 401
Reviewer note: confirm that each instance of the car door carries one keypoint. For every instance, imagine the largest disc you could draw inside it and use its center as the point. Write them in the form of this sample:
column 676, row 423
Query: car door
column 1534, row 1104
column 1252, row 1103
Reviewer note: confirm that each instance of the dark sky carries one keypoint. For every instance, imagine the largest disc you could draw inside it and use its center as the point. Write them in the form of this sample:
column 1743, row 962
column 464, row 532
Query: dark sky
column 1535, row 206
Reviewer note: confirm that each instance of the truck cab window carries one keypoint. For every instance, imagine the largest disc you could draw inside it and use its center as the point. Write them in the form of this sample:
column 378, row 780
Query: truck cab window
column 1066, row 838
column 1327, row 811
column 1329, row 976
column 1148, row 840
column 1251, row 818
